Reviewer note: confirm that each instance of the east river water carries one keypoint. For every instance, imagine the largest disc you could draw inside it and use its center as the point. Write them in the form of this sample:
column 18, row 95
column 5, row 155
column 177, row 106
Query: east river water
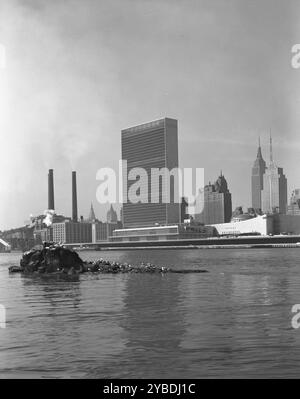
column 234, row 321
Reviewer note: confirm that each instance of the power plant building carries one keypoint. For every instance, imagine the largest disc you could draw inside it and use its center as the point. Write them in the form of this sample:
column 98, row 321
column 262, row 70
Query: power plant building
column 68, row 232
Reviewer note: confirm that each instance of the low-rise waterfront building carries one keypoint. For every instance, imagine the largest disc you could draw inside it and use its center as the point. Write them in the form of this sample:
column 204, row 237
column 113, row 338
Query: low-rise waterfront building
column 188, row 230
column 267, row 224
column 246, row 225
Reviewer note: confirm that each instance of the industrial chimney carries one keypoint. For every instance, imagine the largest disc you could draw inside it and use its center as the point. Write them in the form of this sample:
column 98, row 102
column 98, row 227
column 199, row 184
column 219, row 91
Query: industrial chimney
column 50, row 190
column 74, row 198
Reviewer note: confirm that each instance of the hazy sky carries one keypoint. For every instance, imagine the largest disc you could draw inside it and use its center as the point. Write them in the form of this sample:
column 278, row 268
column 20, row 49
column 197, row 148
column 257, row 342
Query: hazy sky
column 77, row 72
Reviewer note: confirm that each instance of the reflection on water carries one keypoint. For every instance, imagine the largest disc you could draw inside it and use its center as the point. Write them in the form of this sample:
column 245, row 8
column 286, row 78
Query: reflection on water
column 152, row 323
column 233, row 321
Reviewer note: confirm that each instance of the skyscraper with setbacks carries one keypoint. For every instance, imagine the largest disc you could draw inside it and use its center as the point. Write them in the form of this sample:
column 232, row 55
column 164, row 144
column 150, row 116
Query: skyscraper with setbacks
column 257, row 179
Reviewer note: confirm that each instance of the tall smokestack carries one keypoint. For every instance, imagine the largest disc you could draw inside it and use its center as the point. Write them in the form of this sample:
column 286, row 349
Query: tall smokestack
column 50, row 190
column 74, row 198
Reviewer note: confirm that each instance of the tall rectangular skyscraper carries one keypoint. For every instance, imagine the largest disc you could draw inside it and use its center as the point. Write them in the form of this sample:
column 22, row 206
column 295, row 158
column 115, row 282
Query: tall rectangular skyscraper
column 147, row 146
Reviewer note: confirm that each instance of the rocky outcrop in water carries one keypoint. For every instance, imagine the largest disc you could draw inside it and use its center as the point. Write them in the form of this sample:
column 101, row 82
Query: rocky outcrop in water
column 51, row 258
column 56, row 259
column 104, row 266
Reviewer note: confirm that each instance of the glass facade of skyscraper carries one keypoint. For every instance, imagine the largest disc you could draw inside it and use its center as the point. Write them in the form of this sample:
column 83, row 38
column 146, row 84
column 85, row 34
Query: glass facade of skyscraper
column 150, row 145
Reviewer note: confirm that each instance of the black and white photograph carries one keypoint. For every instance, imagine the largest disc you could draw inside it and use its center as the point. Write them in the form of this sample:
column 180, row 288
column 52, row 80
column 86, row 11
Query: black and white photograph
column 149, row 192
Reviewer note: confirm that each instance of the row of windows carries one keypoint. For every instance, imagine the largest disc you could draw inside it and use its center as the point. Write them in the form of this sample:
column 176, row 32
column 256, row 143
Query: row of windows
column 145, row 127
column 147, row 232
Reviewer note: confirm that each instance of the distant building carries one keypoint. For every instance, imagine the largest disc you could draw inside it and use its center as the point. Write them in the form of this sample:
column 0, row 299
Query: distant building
column 287, row 224
column 111, row 216
column 242, row 217
column 92, row 216
column 4, row 246
column 20, row 238
column 216, row 203
column 147, row 146
column 102, row 231
column 164, row 233
column 72, row 232
column 239, row 215
column 121, row 216
column 257, row 180
column 41, row 232
column 294, row 206
column 274, row 193
column 183, row 210
column 246, row 225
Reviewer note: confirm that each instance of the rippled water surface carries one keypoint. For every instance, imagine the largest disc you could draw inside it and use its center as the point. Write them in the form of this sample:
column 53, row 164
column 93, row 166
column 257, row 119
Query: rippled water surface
column 234, row 321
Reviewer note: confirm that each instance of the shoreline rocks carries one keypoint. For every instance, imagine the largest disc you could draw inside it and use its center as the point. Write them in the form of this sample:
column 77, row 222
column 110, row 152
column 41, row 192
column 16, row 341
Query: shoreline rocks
column 53, row 259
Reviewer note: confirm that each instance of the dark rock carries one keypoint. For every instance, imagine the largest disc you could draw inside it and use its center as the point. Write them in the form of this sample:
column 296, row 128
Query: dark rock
column 54, row 259
column 15, row 269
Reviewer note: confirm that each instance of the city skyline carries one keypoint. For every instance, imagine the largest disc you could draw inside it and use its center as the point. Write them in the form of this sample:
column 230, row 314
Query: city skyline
column 68, row 92
column 108, row 206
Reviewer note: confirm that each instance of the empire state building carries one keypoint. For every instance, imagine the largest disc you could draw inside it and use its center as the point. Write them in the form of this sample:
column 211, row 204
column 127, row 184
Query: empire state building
column 274, row 194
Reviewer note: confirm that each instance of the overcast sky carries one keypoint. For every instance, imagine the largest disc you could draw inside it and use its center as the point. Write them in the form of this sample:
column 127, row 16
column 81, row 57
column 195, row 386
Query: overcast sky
column 77, row 72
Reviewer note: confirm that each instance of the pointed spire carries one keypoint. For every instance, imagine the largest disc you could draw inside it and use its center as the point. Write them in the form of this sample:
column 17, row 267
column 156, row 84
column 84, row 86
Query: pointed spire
column 92, row 215
column 111, row 215
column 259, row 154
column 271, row 148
